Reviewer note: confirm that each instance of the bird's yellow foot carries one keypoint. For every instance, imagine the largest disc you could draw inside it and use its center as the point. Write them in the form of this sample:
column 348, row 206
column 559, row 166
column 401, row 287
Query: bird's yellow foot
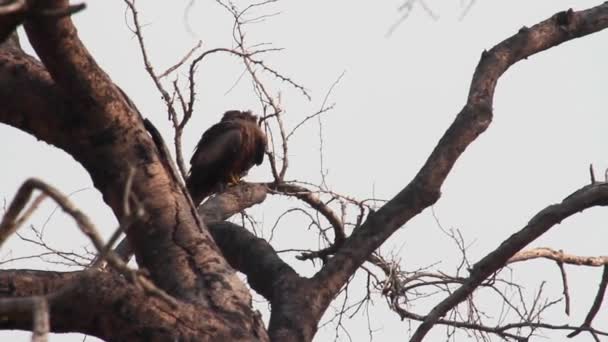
column 234, row 180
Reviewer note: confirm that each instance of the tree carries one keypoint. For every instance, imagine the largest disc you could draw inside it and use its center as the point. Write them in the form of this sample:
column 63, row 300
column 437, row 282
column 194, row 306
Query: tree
column 186, row 288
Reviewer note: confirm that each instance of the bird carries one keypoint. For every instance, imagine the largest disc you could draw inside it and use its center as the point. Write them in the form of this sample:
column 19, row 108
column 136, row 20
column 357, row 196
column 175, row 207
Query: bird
column 224, row 154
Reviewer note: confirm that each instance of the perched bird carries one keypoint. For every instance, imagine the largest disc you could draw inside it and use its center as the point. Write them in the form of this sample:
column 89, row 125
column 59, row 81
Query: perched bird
column 225, row 153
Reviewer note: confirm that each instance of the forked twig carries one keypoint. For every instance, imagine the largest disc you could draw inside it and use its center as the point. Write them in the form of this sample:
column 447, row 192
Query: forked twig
column 9, row 225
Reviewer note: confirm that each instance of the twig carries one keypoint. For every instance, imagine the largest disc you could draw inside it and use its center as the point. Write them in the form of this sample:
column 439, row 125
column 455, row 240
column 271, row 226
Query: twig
column 161, row 89
column 308, row 197
column 317, row 113
column 565, row 292
column 182, row 61
column 597, row 303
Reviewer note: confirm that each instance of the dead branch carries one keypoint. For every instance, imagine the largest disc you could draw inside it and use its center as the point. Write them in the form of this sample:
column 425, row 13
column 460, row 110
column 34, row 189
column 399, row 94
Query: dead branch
column 591, row 195
column 36, row 306
column 402, row 288
column 181, row 61
column 474, row 118
column 41, row 320
column 324, row 107
column 565, row 292
column 558, row 256
column 597, row 303
column 405, row 9
column 159, row 86
column 235, row 199
column 267, row 100
column 10, row 223
column 254, row 257
column 311, row 199
column 9, row 226
column 75, row 300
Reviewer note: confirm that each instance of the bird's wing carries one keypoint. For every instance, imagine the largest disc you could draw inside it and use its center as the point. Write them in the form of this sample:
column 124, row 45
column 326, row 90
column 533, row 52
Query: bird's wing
column 219, row 144
column 260, row 146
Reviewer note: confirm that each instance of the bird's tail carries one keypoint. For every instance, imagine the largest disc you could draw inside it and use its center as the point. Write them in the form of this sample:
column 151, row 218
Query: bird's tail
column 197, row 191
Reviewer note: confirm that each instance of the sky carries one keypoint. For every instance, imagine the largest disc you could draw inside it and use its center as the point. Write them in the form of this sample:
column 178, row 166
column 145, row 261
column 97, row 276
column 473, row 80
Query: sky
column 397, row 96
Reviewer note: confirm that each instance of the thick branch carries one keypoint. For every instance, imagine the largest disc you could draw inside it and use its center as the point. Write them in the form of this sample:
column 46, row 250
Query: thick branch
column 253, row 256
column 17, row 287
column 474, row 118
column 232, row 201
column 11, row 16
column 122, row 312
column 271, row 277
column 75, row 106
column 217, row 209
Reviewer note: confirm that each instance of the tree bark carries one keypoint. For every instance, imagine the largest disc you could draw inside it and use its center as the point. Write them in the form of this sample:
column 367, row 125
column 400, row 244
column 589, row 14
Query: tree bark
column 72, row 104
column 67, row 100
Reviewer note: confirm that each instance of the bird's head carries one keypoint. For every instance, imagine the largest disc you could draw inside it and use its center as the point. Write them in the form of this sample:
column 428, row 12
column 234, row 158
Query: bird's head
column 238, row 115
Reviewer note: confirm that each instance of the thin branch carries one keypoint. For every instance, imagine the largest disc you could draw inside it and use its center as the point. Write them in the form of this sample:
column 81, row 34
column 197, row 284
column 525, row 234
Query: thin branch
column 324, row 107
column 311, row 199
column 182, row 61
column 156, row 80
column 558, row 256
column 565, row 292
column 597, row 303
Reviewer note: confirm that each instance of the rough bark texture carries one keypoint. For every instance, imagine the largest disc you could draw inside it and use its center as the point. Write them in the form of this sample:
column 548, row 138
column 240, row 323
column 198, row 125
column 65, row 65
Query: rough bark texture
column 90, row 120
column 68, row 101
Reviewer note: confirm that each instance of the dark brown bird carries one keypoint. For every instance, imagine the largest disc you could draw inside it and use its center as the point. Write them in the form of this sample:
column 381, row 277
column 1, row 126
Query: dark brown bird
column 225, row 153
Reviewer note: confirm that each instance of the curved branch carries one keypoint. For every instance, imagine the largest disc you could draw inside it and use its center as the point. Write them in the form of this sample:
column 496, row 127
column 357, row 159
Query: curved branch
column 584, row 198
column 11, row 16
column 473, row 119
column 254, row 257
column 312, row 200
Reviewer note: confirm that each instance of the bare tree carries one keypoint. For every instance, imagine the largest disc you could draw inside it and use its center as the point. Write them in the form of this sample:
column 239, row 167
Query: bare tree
column 186, row 286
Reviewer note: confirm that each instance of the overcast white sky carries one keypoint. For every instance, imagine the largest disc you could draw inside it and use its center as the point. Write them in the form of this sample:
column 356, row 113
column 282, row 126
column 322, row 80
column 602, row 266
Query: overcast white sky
column 397, row 97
